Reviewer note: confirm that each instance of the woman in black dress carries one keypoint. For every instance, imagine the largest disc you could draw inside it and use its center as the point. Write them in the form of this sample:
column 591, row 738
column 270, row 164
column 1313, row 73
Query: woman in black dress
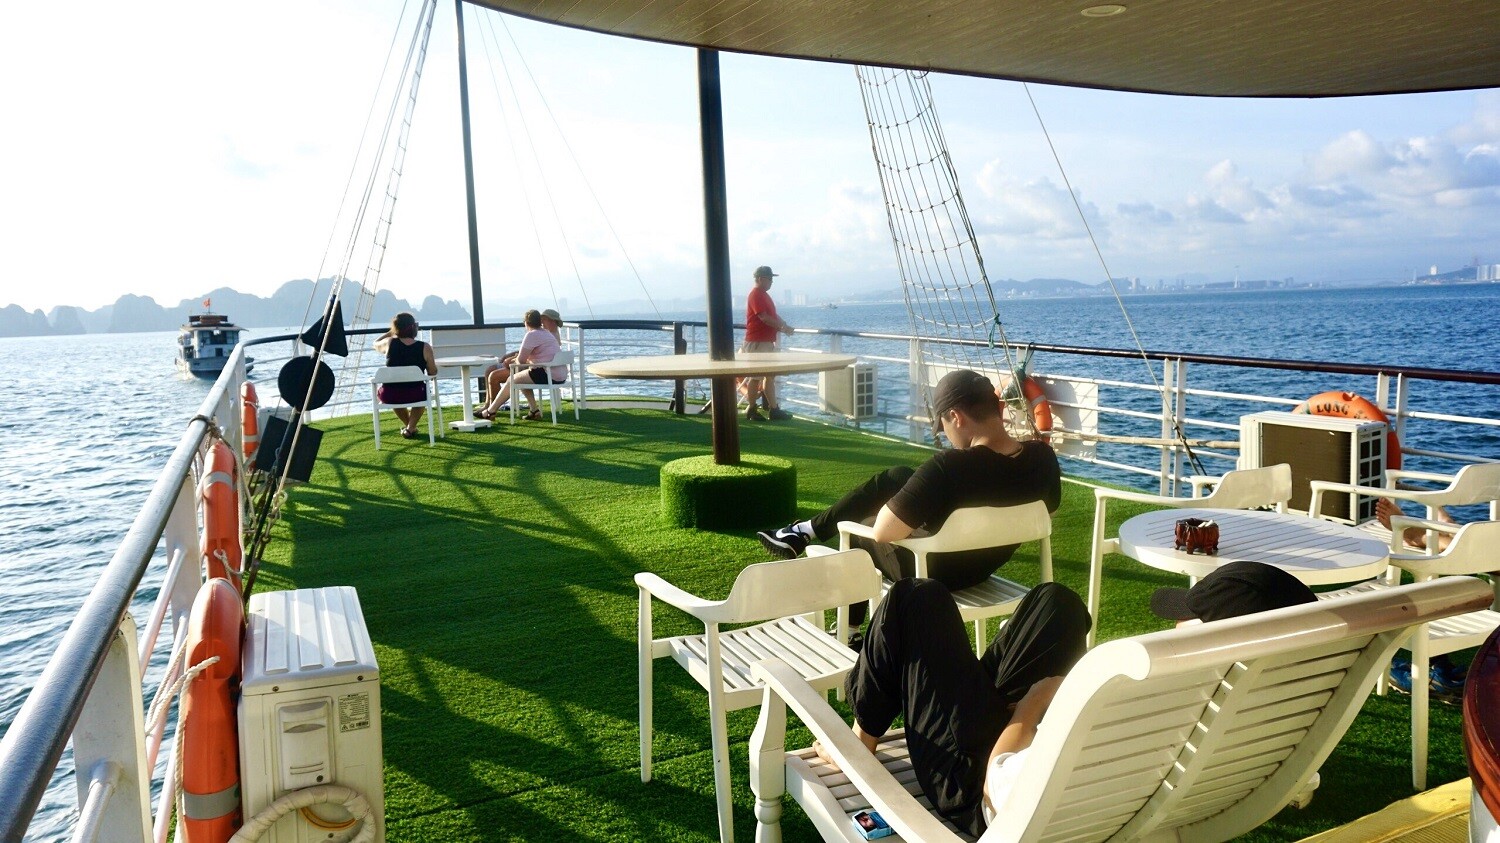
column 402, row 348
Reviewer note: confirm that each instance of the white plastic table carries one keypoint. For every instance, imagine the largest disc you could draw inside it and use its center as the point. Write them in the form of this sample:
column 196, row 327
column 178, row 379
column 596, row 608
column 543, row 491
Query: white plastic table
column 1315, row 551
column 464, row 364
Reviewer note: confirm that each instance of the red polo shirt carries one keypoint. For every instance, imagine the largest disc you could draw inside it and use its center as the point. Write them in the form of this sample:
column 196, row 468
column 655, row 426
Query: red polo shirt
column 755, row 330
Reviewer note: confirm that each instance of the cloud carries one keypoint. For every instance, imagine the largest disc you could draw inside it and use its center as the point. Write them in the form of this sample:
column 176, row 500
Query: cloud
column 1145, row 213
column 1039, row 209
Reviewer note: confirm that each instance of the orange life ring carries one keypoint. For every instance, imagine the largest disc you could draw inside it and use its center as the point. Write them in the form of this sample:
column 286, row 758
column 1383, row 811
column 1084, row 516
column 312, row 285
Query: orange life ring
column 250, row 430
column 210, row 745
column 219, row 498
column 1041, row 411
column 1348, row 405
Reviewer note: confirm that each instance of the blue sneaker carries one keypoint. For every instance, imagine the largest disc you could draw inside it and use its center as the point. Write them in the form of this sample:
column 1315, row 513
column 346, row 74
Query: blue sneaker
column 1445, row 680
column 1448, row 678
column 1401, row 674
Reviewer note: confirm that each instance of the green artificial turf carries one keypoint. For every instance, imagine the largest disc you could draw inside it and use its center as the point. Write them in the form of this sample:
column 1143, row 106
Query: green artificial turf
column 495, row 575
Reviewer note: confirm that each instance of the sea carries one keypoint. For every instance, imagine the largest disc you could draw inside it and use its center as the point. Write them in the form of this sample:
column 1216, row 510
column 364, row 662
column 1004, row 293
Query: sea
column 91, row 420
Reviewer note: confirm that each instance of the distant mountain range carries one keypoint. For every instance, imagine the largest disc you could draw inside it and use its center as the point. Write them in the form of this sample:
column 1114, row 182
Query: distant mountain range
column 287, row 307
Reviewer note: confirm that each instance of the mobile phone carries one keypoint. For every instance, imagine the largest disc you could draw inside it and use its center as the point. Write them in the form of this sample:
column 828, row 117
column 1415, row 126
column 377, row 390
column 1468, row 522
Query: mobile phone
column 870, row 825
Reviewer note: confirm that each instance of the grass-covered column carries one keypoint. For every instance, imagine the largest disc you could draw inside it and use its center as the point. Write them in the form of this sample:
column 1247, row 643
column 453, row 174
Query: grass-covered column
column 699, row 492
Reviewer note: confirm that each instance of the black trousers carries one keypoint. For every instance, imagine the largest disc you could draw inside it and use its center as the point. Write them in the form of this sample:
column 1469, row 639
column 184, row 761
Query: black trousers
column 917, row 662
column 863, row 503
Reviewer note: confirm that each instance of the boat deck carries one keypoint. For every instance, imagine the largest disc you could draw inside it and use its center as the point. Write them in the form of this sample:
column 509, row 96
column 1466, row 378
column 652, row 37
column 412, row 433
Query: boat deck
column 495, row 575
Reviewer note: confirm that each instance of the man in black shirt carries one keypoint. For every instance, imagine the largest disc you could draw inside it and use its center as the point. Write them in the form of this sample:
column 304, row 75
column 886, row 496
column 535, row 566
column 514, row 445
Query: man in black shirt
column 985, row 467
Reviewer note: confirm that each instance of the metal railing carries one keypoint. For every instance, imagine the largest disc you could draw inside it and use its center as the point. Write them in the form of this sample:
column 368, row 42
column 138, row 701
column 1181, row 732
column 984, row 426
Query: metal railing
column 91, row 689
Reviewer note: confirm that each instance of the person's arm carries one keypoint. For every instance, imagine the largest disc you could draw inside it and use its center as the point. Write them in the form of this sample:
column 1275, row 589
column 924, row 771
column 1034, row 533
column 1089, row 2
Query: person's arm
column 1021, row 730
column 889, row 527
column 774, row 321
column 431, row 361
column 383, row 342
column 528, row 347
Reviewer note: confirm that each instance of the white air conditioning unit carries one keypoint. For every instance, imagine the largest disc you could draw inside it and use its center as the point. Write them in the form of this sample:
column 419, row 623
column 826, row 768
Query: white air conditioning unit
column 309, row 711
column 1319, row 448
column 849, row 391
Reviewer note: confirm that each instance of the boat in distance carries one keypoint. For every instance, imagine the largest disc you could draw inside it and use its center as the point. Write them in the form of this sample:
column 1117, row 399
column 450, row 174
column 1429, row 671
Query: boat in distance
column 205, row 343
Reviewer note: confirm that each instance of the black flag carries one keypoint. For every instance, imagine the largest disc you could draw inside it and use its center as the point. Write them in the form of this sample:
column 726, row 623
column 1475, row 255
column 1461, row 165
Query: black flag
column 333, row 315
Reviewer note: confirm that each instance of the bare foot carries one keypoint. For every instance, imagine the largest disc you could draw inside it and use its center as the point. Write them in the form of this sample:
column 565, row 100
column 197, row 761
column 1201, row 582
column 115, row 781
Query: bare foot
column 1415, row 537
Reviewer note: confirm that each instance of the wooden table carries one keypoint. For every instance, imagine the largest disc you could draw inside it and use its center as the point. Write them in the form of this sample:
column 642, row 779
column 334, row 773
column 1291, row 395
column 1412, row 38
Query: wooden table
column 464, row 363
column 1315, row 551
column 673, row 366
column 726, row 437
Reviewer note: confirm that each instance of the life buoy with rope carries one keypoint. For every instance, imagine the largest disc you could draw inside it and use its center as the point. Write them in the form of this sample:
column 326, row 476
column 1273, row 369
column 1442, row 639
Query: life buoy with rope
column 1041, row 411
column 210, row 754
column 1348, row 405
column 219, row 500
column 250, row 425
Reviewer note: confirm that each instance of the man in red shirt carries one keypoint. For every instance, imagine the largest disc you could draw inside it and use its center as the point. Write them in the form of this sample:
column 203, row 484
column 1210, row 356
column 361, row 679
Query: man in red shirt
column 761, row 327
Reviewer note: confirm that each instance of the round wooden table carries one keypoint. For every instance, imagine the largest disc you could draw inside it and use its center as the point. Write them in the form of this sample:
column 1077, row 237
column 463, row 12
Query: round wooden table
column 748, row 365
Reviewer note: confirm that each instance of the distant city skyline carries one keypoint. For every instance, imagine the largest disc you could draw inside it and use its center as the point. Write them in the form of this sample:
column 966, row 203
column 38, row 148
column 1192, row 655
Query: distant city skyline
column 159, row 150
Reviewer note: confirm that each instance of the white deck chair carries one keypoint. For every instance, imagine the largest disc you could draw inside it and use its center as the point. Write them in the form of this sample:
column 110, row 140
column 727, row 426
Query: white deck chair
column 1473, row 484
column 1471, row 552
column 1199, row 733
column 562, row 358
column 1246, row 488
column 974, row 528
column 403, row 374
column 773, row 592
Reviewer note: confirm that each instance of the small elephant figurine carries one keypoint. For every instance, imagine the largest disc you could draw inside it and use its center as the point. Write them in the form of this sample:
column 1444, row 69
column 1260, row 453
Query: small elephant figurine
column 1195, row 535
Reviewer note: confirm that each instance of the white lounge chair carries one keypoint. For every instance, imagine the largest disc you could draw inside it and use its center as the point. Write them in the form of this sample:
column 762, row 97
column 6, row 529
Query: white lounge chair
column 974, row 528
column 721, row 661
column 1199, row 733
column 1246, row 488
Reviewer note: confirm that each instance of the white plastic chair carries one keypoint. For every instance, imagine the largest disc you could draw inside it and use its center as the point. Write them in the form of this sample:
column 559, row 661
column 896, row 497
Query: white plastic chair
column 773, row 592
column 1472, row 551
column 403, row 374
column 562, row 358
column 1473, row 484
column 1246, row 488
column 1199, row 733
column 974, row 528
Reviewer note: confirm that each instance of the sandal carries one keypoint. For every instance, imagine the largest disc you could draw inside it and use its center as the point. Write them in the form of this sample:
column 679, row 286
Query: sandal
column 408, row 434
column 534, row 415
column 484, row 414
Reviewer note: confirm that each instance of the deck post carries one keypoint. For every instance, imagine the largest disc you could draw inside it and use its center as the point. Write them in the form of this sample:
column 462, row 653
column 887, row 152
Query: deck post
column 476, row 288
column 726, row 433
column 109, row 747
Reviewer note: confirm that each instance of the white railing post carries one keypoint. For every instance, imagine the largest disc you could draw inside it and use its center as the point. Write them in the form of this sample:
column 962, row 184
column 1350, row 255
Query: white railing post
column 109, row 740
column 582, row 391
column 915, row 378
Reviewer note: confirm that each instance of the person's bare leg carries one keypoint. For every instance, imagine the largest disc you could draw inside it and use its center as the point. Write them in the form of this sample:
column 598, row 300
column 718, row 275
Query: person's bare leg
column 753, row 388
column 1416, row 537
column 530, row 396
column 415, row 419
column 769, row 391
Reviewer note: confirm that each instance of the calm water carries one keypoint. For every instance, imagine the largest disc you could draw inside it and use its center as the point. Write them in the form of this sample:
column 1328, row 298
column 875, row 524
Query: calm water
column 92, row 419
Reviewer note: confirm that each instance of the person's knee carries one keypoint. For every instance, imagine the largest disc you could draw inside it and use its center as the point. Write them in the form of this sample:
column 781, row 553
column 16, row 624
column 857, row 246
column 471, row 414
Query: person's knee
column 899, row 474
column 1061, row 601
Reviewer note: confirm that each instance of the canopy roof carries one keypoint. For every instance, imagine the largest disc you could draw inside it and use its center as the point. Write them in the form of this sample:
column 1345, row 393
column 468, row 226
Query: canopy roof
column 1250, row 48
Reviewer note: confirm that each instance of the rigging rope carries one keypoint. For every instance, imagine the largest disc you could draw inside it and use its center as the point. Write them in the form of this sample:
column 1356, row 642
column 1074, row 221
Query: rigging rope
column 943, row 281
column 1110, row 279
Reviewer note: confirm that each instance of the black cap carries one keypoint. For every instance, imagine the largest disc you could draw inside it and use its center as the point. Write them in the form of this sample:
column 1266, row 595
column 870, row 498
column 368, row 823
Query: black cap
column 1232, row 590
column 959, row 388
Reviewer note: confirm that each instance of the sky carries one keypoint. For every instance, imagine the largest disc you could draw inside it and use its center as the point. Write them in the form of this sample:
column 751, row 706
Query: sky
column 170, row 148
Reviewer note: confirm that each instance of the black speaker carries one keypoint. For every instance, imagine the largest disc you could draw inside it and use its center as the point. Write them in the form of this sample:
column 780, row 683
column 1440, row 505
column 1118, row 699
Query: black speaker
column 269, row 456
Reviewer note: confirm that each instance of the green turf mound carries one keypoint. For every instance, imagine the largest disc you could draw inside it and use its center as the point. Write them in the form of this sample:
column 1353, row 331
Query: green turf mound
column 697, row 492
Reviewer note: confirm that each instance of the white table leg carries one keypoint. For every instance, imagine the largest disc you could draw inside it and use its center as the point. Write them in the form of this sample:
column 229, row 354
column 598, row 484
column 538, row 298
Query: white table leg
column 469, row 422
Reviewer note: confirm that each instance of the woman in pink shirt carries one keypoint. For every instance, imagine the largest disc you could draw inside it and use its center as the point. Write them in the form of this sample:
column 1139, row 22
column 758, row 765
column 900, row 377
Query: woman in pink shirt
column 538, row 347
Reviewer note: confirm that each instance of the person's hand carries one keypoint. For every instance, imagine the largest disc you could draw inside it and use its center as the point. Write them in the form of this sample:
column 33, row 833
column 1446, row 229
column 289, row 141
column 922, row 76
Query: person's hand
column 1038, row 697
column 786, row 329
